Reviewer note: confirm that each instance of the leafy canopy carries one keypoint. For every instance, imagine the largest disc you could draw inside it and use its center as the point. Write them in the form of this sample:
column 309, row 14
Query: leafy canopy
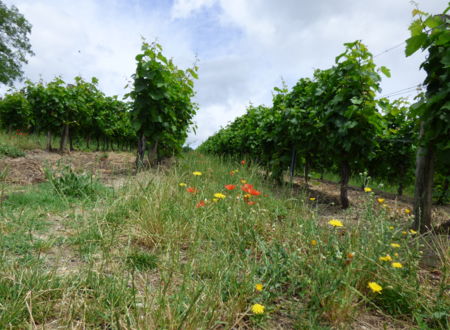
column 14, row 43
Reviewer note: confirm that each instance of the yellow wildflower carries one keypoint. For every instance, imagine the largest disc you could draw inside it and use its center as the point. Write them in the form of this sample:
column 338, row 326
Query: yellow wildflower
column 397, row 265
column 412, row 231
column 391, row 227
column 219, row 195
column 258, row 287
column 404, row 233
column 395, row 245
column 367, row 189
column 197, row 173
column 215, row 200
column 375, row 287
column 312, row 198
column 396, row 254
column 335, row 223
column 313, row 242
column 247, row 196
column 386, row 258
column 243, row 181
column 380, row 200
column 407, row 211
column 258, row 309
column 182, row 184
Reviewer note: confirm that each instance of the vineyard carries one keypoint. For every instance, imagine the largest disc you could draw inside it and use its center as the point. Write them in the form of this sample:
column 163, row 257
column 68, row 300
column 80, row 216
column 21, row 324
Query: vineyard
column 159, row 113
column 333, row 122
column 328, row 209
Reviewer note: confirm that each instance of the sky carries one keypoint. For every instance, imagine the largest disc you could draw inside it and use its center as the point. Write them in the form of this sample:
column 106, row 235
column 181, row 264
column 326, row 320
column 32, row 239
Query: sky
column 244, row 48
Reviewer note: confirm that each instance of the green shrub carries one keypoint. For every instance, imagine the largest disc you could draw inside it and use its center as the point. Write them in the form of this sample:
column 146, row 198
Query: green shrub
column 69, row 183
column 10, row 151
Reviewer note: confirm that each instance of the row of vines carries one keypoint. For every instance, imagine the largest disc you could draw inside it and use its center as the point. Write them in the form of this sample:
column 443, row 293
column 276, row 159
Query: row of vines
column 71, row 111
column 158, row 114
column 333, row 121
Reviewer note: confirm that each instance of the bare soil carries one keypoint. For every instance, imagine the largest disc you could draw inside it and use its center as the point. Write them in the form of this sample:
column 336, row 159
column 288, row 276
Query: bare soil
column 326, row 194
column 108, row 167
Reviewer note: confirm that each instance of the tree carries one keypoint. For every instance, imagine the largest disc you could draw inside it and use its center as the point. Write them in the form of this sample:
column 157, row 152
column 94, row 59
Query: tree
column 432, row 33
column 14, row 43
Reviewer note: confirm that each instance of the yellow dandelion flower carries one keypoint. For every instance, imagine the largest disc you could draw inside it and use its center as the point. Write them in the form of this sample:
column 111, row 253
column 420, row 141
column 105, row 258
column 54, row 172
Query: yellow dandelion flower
column 243, row 181
column 407, row 211
column 397, row 265
column 312, row 199
column 375, row 287
column 395, row 254
column 219, row 195
column 412, row 231
column 395, row 245
column 247, row 196
column 258, row 309
column 215, row 200
column 367, row 189
column 197, row 173
column 391, row 227
column 335, row 223
column 385, row 258
column 259, row 287
column 313, row 242
column 182, row 184
column 380, row 200
column 404, row 233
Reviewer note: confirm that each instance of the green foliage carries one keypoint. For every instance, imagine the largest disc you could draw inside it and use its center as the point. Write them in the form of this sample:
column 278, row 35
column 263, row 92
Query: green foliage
column 432, row 33
column 67, row 182
column 14, row 43
column 10, row 151
column 162, row 105
column 395, row 157
column 328, row 121
column 16, row 112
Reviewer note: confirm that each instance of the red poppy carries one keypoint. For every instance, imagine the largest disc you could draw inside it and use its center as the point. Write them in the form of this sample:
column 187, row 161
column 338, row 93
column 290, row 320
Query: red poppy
column 243, row 162
column 251, row 203
column 200, row 204
column 254, row 192
column 230, row 186
column 246, row 188
column 191, row 190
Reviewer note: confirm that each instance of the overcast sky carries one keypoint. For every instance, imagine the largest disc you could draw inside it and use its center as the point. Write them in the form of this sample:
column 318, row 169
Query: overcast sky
column 244, row 47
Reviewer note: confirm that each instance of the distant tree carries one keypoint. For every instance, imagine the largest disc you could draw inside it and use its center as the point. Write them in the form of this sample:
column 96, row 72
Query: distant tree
column 14, row 43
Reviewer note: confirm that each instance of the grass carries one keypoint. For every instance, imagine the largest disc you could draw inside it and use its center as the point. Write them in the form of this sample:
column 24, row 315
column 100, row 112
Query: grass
column 146, row 257
column 22, row 142
column 13, row 144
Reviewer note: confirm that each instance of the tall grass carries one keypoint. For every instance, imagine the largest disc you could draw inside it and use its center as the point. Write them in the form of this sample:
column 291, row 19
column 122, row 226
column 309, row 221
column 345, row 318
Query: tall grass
column 148, row 257
column 22, row 141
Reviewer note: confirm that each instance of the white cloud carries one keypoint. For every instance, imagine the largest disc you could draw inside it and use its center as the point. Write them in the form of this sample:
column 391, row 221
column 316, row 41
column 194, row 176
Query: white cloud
column 184, row 8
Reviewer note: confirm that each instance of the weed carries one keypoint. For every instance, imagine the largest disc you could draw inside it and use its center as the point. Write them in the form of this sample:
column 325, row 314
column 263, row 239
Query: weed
column 10, row 151
column 67, row 182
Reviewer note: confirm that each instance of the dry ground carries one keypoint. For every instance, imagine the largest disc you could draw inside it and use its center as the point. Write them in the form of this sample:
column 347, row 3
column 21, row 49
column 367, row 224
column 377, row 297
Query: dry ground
column 109, row 167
